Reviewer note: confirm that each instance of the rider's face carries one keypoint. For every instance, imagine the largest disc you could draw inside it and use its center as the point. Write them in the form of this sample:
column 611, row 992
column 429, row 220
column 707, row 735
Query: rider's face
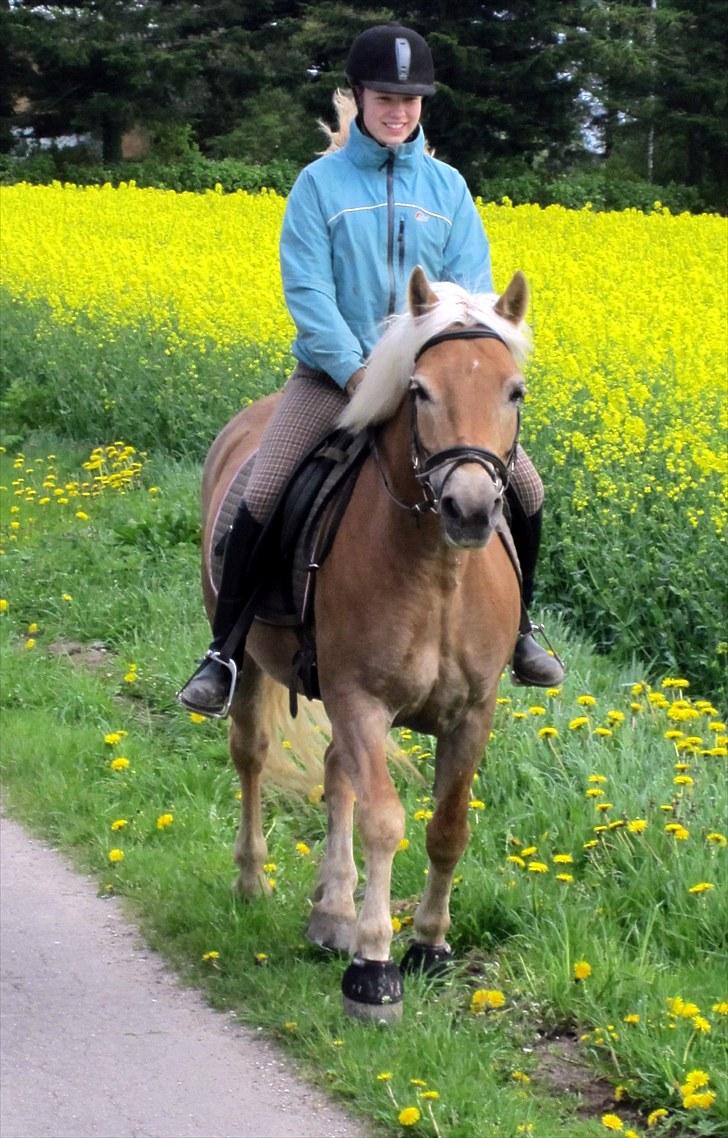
column 390, row 119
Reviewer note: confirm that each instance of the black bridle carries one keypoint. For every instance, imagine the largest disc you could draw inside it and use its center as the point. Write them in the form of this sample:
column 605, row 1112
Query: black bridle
column 424, row 463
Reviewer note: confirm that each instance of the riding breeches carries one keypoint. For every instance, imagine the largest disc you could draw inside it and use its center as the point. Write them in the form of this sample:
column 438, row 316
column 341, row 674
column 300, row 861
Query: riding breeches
column 309, row 408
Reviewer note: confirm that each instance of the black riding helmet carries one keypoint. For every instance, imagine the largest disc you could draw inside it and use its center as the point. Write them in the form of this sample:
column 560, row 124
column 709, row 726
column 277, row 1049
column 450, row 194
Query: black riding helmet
column 392, row 59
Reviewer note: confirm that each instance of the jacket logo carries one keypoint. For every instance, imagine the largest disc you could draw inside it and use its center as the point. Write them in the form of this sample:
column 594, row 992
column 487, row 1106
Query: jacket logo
column 403, row 54
column 420, row 216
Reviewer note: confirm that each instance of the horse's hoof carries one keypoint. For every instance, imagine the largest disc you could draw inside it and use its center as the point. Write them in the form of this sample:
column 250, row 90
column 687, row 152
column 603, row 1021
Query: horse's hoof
column 372, row 991
column 331, row 932
column 431, row 959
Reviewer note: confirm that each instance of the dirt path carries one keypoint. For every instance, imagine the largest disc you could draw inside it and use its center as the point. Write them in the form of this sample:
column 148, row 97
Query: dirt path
column 100, row 1041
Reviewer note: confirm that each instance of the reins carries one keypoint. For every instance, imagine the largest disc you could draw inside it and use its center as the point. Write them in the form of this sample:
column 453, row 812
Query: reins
column 424, row 464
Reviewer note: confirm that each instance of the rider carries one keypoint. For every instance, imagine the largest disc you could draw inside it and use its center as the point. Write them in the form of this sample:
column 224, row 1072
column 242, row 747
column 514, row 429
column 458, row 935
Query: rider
column 357, row 221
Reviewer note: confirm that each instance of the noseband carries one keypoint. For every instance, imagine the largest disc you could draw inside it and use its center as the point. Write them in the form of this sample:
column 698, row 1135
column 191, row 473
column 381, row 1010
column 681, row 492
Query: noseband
column 425, row 464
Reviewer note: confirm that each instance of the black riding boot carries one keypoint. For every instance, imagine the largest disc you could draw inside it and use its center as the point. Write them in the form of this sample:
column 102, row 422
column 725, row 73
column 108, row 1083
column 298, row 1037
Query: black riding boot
column 532, row 665
column 209, row 690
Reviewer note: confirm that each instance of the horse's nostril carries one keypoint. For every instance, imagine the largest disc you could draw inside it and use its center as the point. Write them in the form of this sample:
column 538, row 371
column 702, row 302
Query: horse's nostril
column 450, row 509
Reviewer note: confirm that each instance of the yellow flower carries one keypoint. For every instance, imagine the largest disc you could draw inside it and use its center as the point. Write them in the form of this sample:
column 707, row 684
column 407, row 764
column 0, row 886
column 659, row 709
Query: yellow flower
column 195, row 717
column 119, row 764
column 119, row 824
column 520, row 1077
column 720, row 1008
column 211, row 956
column 418, row 1083
column 302, row 849
column 164, row 820
column 538, row 867
column 486, row 999
column 699, row 1100
column 612, row 1122
column 683, row 780
column 260, row 957
column 547, row 733
column 403, row 845
column 396, row 925
column 422, row 815
column 579, row 721
column 514, row 859
column 566, row 878
column 114, row 737
column 594, row 792
column 655, row 1115
column 701, row 887
column 116, row 855
column 597, row 778
column 701, row 1024
column 33, row 628
column 637, row 825
column 4, row 604
column 633, row 1017
column 582, row 970
column 586, row 700
column 716, row 838
column 384, row 1076
column 409, row 1116
column 563, row 859
column 476, row 804
column 30, row 644
column 82, row 515
column 315, row 794
column 528, row 851
column 694, row 1080
column 431, row 1096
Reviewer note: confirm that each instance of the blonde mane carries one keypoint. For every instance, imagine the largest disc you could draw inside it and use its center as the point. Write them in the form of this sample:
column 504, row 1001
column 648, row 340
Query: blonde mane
column 392, row 361
column 345, row 109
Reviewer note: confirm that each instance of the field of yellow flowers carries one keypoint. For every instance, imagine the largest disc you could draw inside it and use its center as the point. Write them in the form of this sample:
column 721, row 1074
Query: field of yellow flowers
column 153, row 315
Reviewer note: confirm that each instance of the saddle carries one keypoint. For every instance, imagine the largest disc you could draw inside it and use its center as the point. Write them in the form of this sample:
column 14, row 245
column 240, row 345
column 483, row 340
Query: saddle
column 295, row 542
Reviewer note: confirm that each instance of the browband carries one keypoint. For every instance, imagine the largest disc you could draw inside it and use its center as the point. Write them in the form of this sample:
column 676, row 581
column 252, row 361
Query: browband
column 477, row 333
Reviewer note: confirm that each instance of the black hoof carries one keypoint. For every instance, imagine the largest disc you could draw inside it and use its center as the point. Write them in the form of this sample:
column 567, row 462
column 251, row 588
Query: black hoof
column 372, row 990
column 432, row 959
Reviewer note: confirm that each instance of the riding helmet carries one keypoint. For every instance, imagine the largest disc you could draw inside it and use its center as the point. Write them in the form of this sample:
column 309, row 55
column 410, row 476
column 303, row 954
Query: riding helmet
column 392, row 59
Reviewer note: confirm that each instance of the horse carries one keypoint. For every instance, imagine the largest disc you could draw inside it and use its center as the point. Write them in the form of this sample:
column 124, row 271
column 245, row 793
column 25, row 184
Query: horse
column 416, row 615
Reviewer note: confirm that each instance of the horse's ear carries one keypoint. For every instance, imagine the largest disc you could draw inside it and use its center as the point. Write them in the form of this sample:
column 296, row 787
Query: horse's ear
column 421, row 296
column 514, row 301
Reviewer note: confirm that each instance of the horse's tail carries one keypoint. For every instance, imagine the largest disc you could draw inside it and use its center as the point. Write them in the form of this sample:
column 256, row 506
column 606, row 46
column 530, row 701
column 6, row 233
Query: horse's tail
column 297, row 746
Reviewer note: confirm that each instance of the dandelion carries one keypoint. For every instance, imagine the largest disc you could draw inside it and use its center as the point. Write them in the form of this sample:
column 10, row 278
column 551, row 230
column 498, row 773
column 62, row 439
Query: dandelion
column 537, row 867
column 261, row 957
column 632, row 1017
column 602, row 807
column 514, row 859
column 701, row 1024
column 119, row 764
column 195, row 717
column 615, row 716
column 119, row 824
column 211, row 957
column 565, row 878
column 409, row 1116
column 601, row 778
column 476, row 804
column 4, row 604
column 302, row 849
column 683, row 780
column 694, row 1080
column 384, row 1076
column 563, row 859
column 422, row 815
column 520, row 1077
column 603, row 732
column 528, row 851
column 553, row 693
column 82, row 515
column 116, row 855
column 315, row 794
column 656, row 1115
column 637, row 825
column 114, row 737
column 612, row 1122
column 396, row 925
column 721, row 1008
column 486, row 999
column 586, row 700
column 701, row 887
column 582, row 970
column 699, row 1100
column 403, row 845
column 418, row 1083
column 164, row 820
column 430, row 1096
column 579, row 721
column 291, row 1025
column 594, row 792
column 131, row 675
column 30, row 644
column 547, row 733
column 67, row 598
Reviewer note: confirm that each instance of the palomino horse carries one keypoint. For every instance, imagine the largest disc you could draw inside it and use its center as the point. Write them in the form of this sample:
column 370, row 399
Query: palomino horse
column 417, row 612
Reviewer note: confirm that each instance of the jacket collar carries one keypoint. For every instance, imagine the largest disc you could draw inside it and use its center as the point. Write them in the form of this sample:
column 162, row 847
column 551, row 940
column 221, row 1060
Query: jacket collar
column 363, row 150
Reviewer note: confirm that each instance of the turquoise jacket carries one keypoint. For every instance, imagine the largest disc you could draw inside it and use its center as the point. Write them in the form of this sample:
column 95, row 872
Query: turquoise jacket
column 356, row 223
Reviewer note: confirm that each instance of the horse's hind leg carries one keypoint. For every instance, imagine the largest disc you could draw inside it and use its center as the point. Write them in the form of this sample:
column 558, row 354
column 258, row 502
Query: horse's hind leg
column 333, row 919
column 249, row 744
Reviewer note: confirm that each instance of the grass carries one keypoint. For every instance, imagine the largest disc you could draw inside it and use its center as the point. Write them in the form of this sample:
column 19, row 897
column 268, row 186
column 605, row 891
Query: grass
column 100, row 624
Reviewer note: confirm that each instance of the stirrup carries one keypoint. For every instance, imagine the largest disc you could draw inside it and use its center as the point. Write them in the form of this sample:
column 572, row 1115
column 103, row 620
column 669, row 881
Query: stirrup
column 211, row 654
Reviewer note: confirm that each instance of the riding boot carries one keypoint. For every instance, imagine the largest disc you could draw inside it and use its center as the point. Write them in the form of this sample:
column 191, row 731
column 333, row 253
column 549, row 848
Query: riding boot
column 532, row 665
column 210, row 689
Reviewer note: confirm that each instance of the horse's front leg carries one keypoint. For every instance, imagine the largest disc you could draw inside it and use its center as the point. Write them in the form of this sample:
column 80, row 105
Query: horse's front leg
column 448, row 832
column 333, row 919
column 372, row 983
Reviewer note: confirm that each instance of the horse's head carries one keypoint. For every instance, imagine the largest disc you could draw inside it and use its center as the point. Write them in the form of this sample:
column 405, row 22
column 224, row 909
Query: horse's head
column 465, row 393
column 446, row 373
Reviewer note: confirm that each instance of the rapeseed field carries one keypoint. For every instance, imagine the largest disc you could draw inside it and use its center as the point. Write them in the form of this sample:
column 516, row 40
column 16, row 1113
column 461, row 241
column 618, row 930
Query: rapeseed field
column 153, row 315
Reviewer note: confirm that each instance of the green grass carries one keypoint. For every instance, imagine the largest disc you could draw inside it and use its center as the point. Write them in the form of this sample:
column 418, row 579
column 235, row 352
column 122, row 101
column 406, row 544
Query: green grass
column 125, row 577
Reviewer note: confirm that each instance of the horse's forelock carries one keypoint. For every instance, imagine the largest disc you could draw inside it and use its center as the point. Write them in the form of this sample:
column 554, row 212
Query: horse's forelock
column 392, row 361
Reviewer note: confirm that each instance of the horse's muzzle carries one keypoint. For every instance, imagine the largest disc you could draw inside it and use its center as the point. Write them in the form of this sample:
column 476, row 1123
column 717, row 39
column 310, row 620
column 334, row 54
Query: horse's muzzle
column 467, row 524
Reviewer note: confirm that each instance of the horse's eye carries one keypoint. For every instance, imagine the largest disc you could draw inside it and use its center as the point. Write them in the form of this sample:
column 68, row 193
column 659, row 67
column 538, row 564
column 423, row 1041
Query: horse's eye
column 420, row 393
column 518, row 394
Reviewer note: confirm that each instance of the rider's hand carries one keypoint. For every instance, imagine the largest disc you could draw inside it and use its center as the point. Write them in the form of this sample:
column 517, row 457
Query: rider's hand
column 354, row 381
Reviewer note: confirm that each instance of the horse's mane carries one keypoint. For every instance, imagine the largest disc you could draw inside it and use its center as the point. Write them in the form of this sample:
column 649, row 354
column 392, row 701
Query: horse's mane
column 392, row 361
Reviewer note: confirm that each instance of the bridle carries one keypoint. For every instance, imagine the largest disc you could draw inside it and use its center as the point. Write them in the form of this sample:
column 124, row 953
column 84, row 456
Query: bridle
column 424, row 463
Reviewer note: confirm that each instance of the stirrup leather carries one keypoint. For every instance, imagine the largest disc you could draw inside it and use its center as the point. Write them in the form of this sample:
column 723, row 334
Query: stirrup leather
column 232, row 668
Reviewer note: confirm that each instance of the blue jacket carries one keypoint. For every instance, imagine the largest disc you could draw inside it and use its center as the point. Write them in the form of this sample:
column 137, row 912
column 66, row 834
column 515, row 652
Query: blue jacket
column 356, row 223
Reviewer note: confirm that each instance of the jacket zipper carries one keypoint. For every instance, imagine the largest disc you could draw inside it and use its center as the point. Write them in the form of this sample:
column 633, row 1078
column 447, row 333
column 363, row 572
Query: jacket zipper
column 400, row 247
column 390, row 236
